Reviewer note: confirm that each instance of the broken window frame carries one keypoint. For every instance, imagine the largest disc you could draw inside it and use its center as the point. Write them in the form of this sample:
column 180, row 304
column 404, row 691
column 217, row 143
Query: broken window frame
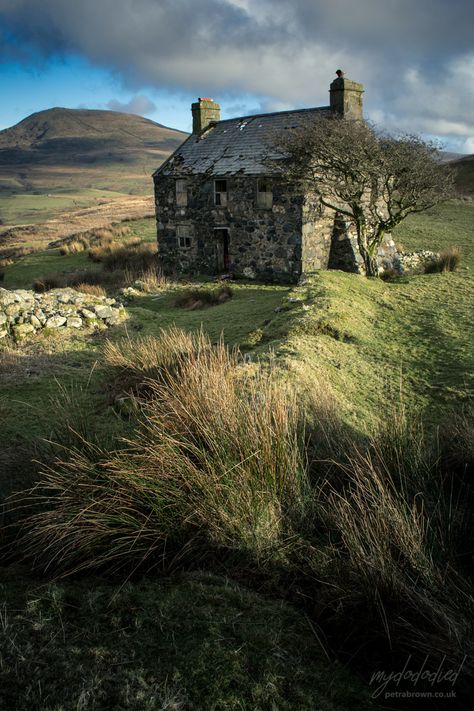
column 264, row 197
column 221, row 197
column 181, row 191
column 184, row 237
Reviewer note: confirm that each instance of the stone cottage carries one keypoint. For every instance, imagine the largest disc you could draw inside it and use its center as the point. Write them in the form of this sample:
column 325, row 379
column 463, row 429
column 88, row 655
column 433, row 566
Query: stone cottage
column 220, row 209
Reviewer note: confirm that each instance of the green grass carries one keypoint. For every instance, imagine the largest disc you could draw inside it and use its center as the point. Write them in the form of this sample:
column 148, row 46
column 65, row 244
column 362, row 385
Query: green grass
column 145, row 229
column 449, row 224
column 22, row 274
column 250, row 308
column 368, row 342
column 365, row 337
column 195, row 642
column 371, row 340
column 30, row 208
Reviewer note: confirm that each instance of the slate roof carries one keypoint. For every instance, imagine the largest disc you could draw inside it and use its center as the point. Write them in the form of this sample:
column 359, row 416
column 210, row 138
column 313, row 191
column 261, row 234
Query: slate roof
column 237, row 145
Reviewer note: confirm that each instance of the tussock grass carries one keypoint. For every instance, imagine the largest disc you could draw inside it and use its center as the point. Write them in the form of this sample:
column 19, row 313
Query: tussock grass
column 55, row 280
column 99, row 236
column 133, row 255
column 194, row 299
column 227, row 459
column 98, row 281
column 391, row 514
column 10, row 256
column 218, row 458
column 92, row 289
column 150, row 280
column 75, row 246
column 448, row 261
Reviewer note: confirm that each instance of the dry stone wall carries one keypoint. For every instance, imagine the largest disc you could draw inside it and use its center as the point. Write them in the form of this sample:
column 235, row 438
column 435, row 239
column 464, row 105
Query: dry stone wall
column 23, row 313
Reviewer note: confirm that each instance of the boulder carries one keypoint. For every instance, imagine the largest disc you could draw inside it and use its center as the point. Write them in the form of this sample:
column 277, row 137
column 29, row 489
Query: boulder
column 34, row 320
column 74, row 322
column 22, row 330
column 55, row 321
column 104, row 312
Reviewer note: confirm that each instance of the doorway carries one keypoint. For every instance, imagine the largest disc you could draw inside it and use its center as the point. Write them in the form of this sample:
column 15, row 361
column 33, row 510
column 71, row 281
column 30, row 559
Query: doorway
column 221, row 235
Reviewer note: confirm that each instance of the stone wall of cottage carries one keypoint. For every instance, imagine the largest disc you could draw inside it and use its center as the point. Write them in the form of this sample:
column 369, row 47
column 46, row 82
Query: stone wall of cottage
column 264, row 243
column 318, row 228
column 345, row 255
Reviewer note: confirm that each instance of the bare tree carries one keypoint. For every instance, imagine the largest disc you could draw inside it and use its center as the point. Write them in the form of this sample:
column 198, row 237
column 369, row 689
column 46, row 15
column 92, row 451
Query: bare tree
column 374, row 181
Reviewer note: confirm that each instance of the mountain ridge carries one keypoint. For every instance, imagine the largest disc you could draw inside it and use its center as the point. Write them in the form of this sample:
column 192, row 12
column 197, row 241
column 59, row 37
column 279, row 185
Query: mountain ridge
column 79, row 157
column 60, row 122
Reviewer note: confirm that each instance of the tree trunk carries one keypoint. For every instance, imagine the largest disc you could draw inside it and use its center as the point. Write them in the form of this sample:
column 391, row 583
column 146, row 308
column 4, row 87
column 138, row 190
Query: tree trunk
column 370, row 264
column 368, row 252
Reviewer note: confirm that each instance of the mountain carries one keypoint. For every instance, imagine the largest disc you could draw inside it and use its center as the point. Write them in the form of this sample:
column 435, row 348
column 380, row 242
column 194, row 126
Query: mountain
column 77, row 148
column 464, row 175
column 447, row 157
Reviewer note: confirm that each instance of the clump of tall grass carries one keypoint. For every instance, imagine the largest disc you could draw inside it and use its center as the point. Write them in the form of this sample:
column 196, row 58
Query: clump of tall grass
column 75, row 246
column 218, row 460
column 194, row 299
column 92, row 289
column 134, row 255
column 99, row 236
column 54, row 280
column 447, row 261
column 390, row 518
column 225, row 459
column 150, row 280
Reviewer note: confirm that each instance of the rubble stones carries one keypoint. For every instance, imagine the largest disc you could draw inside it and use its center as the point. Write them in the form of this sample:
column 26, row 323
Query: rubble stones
column 104, row 312
column 23, row 313
column 55, row 321
column 74, row 322
column 414, row 262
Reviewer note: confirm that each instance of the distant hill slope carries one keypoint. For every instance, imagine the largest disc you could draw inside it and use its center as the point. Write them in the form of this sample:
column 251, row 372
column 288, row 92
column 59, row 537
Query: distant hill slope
column 78, row 157
column 69, row 149
column 76, row 134
column 465, row 175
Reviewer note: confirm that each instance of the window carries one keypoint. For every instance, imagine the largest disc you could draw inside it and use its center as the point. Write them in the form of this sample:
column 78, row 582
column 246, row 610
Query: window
column 182, row 192
column 220, row 192
column 183, row 236
column 264, row 193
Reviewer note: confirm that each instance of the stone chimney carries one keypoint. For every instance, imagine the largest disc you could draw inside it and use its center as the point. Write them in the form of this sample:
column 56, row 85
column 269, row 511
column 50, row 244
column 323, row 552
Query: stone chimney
column 346, row 96
column 204, row 111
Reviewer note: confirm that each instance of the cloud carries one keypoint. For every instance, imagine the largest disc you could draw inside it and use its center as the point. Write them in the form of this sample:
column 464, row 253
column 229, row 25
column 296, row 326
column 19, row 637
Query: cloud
column 138, row 104
column 414, row 58
column 468, row 145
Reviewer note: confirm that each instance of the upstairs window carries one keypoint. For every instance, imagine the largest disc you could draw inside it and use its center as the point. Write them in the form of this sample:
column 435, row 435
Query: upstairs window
column 220, row 192
column 182, row 193
column 264, row 193
column 183, row 234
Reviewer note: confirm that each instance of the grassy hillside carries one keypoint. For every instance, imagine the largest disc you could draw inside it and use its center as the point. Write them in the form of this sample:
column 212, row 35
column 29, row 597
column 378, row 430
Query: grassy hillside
column 465, row 175
column 342, row 572
column 366, row 338
column 61, row 159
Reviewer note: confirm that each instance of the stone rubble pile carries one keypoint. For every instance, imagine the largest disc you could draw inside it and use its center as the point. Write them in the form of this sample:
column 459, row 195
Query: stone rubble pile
column 23, row 313
column 414, row 262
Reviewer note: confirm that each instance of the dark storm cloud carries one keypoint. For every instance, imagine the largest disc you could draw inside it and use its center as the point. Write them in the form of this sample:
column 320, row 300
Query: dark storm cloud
column 416, row 59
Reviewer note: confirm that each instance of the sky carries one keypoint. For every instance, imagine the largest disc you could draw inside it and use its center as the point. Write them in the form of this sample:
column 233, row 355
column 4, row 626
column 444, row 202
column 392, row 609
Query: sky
column 154, row 57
